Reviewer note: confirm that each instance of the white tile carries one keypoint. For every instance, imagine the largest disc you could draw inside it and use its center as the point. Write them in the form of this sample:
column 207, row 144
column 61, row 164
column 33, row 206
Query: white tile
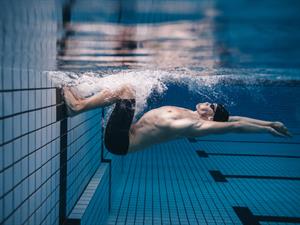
column 38, row 119
column 38, row 99
column 8, row 126
column 48, row 96
column 37, row 215
column 8, row 177
column 44, row 136
column 38, row 178
column 7, row 80
column 44, row 176
column 44, row 212
column 31, row 220
column 1, row 133
column 32, row 122
column 57, row 133
column 44, row 98
column 24, row 211
column 38, row 80
column 1, row 186
column 32, row 204
column 48, row 80
column 44, row 155
column 9, row 221
column 31, row 163
column 53, row 163
column 38, row 139
column 44, row 79
column 17, row 168
column 16, row 101
column 31, row 77
column 17, row 197
column 53, row 114
column 49, row 116
column 31, row 186
column 8, row 99
column 1, row 207
column 25, row 167
column 24, row 145
column 38, row 158
column 31, row 142
column 39, row 196
column 31, row 98
column 17, row 126
column 44, row 117
column 48, row 170
column 24, row 123
column 1, row 159
column 53, row 96
column 24, row 100
column 7, row 154
column 1, row 71
column 16, row 79
column 53, row 131
column 24, row 79
column 17, row 149
column 1, row 103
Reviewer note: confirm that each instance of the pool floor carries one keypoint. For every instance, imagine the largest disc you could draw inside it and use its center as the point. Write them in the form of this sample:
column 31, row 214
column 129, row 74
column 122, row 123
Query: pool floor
column 198, row 182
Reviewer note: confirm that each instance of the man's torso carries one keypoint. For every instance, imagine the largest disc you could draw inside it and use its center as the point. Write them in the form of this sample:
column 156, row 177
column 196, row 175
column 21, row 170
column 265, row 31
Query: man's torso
column 162, row 124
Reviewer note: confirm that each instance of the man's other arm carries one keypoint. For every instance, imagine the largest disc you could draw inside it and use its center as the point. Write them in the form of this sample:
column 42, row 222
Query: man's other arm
column 212, row 127
column 278, row 126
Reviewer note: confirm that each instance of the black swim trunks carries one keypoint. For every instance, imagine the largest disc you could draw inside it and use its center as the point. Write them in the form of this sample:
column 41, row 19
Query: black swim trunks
column 116, row 137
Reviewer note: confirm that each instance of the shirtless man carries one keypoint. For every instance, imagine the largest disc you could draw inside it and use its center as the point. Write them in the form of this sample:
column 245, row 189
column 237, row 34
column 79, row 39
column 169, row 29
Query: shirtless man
column 164, row 123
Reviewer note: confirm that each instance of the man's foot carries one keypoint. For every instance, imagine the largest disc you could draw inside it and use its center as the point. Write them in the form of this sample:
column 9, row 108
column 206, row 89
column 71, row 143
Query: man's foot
column 73, row 105
column 75, row 94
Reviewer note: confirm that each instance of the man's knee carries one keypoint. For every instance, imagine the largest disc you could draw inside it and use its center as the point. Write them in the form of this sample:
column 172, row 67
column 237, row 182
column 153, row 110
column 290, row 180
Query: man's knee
column 127, row 92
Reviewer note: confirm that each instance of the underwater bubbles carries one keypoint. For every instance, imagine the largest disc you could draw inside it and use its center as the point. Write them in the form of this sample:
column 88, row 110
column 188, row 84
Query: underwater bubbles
column 211, row 84
column 146, row 82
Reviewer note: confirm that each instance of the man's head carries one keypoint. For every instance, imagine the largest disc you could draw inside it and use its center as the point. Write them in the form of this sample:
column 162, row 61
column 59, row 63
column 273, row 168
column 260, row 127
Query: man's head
column 212, row 111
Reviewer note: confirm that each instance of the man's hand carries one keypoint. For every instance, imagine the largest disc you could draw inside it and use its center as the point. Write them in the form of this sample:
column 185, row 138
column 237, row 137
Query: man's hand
column 278, row 129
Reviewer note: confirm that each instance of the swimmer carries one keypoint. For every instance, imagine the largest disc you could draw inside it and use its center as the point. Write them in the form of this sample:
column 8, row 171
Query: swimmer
column 164, row 123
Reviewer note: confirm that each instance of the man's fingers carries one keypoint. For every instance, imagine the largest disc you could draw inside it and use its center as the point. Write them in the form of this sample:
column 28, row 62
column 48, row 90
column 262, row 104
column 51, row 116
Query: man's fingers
column 276, row 133
column 289, row 134
column 282, row 129
column 286, row 132
column 279, row 133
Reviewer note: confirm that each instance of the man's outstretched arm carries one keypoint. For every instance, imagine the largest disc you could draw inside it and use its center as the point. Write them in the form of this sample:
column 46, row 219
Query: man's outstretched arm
column 278, row 126
column 212, row 127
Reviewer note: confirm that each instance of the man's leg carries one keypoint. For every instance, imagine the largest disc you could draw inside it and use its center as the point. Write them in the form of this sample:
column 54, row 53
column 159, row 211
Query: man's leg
column 104, row 98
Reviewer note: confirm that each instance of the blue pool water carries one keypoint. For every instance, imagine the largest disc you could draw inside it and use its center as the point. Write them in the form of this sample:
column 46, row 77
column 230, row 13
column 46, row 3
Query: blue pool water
column 55, row 169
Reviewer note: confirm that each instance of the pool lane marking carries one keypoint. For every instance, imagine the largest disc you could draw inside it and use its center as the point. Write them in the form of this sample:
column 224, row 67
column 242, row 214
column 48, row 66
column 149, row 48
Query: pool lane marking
column 204, row 154
column 218, row 176
column 248, row 218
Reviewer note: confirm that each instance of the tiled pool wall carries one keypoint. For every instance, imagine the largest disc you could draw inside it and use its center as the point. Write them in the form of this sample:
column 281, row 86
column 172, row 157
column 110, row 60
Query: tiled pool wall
column 47, row 161
column 29, row 127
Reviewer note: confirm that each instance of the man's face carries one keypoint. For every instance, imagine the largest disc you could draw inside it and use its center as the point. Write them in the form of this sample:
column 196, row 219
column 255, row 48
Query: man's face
column 206, row 110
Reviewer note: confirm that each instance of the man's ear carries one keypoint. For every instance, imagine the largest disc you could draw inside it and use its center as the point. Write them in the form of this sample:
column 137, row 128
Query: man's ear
column 210, row 118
